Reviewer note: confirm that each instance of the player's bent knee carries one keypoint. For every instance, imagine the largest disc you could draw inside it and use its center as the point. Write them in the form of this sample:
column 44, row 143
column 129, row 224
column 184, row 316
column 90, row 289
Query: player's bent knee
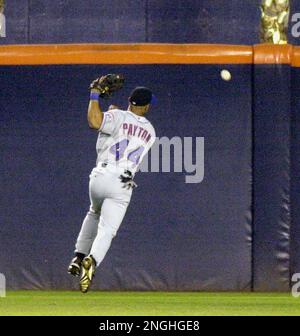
column 111, row 232
column 107, row 231
column 93, row 212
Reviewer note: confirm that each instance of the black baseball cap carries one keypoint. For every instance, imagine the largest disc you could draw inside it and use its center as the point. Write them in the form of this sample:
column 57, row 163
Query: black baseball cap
column 142, row 96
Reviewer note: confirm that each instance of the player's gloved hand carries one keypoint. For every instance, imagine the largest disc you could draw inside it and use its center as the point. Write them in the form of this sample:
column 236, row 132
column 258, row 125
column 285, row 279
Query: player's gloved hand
column 108, row 84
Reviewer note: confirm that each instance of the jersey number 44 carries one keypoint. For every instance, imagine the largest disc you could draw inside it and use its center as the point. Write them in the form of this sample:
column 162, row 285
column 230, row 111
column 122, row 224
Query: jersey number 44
column 119, row 150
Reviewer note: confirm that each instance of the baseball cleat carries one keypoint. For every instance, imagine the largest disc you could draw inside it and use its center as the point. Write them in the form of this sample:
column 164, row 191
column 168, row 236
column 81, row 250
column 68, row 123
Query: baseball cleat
column 75, row 266
column 87, row 273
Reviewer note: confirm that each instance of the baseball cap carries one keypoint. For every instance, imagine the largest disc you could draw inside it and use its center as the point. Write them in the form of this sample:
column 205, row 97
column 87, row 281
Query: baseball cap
column 142, row 96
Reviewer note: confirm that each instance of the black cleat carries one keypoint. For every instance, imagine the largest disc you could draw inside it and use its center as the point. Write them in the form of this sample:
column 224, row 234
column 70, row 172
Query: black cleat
column 75, row 267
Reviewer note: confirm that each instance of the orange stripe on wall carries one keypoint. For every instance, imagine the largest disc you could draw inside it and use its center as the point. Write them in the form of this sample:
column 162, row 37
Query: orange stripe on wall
column 296, row 57
column 272, row 54
column 125, row 54
column 149, row 54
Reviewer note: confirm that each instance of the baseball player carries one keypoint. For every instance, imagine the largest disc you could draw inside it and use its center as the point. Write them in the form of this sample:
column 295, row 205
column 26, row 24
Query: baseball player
column 124, row 139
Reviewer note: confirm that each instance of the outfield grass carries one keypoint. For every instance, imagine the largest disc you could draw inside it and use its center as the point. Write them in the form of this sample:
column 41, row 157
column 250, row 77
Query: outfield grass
column 146, row 303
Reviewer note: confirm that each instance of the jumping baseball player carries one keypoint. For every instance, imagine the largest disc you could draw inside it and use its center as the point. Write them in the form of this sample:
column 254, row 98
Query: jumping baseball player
column 124, row 139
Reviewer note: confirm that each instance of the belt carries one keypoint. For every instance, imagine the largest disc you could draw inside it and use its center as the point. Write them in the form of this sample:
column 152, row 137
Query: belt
column 126, row 171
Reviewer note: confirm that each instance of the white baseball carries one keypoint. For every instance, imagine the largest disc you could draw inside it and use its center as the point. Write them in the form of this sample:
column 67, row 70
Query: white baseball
column 226, row 75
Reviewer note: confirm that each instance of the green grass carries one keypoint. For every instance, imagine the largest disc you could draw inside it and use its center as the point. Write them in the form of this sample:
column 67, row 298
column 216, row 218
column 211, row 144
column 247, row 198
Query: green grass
column 146, row 303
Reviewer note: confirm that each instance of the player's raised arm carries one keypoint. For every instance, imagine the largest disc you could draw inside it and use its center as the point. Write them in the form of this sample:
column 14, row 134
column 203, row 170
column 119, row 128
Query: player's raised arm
column 95, row 115
column 102, row 87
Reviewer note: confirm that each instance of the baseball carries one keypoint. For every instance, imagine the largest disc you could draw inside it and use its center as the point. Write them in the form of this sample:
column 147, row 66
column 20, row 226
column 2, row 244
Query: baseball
column 226, row 75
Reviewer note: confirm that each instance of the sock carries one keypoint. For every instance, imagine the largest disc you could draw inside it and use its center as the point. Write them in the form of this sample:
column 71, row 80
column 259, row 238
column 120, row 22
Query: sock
column 80, row 256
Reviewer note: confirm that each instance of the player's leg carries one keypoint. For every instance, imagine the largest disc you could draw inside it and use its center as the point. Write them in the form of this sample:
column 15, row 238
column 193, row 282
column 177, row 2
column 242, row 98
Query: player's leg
column 84, row 241
column 87, row 233
column 112, row 214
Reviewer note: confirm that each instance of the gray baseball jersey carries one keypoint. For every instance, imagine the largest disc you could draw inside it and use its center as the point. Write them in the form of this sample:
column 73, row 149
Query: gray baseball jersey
column 124, row 139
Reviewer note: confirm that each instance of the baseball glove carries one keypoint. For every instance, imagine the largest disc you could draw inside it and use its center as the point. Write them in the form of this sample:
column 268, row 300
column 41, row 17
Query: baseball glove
column 108, row 84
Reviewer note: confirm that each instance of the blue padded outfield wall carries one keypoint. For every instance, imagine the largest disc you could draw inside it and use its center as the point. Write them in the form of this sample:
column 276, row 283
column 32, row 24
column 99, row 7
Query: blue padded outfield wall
column 236, row 229
column 131, row 21
column 176, row 236
column 295, row 169
column 271, row 176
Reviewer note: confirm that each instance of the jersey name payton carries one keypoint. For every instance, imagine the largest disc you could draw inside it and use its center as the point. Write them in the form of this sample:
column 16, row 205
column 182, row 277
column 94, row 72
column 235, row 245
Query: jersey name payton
column 135, row 130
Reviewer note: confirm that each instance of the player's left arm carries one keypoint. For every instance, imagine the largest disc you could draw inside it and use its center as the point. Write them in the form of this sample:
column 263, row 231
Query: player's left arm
column 103, row 87
column 95, row 114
